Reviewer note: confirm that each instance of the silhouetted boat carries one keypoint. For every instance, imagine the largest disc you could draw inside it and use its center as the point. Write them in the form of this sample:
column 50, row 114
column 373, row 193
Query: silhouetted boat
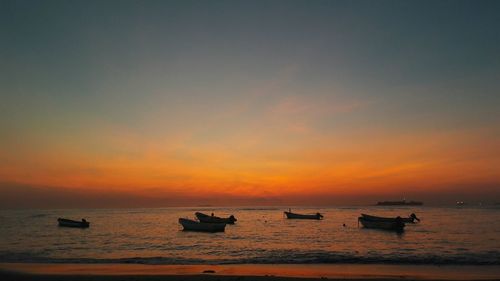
column 410, row 219
column 213, row 219
column 291, row 215
column 72, row 223
column 192, row 225
column 399, row 203
column 396, row 225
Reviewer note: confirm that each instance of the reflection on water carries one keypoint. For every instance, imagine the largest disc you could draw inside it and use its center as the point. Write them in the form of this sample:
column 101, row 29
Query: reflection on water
column 261, row 235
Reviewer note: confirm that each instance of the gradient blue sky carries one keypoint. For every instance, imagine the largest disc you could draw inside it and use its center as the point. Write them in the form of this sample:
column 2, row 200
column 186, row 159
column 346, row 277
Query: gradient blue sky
column 265, row 99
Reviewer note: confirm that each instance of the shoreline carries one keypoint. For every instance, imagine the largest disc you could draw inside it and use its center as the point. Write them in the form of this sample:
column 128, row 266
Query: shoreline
column 115, row 272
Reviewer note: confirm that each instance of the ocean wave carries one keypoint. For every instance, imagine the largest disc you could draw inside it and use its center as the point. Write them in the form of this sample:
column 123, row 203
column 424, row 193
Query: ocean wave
column 38, row 216
column 261, row 209
column 276, row 257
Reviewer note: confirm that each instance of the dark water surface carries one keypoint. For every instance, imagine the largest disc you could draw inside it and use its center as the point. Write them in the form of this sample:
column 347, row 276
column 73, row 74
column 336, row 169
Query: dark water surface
column 446, row 236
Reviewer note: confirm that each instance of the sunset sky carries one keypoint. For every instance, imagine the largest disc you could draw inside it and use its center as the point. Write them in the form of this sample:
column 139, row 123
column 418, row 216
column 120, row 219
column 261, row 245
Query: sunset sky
column 153, row 103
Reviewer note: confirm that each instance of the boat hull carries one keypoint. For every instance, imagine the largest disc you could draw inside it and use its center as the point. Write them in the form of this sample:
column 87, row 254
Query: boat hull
column 191, row 225
column 213, row 219
column 385, row 225
column 73, row 223
column 375, row 218
column 291, row 215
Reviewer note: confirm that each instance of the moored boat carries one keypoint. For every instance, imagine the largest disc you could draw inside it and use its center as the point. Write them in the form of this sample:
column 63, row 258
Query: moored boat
column 397, row 225
column 410, row 219
column 192, row 225
column 290, row 215
column 72, row 223
column 213, row 219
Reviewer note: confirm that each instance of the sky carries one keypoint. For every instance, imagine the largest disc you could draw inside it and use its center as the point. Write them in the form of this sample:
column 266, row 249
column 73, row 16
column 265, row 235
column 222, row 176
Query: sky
column 153, row 103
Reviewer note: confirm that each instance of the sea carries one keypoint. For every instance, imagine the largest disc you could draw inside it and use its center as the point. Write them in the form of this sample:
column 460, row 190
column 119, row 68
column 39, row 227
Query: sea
column 262, row 235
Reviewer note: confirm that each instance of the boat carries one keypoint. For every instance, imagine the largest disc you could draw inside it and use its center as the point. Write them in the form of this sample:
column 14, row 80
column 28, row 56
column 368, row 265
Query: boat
column 213, row 219
column 410, row 219
column 192, row 225
column 396, row 225
column 290, row 215
column 400, row 203
column 72, row 223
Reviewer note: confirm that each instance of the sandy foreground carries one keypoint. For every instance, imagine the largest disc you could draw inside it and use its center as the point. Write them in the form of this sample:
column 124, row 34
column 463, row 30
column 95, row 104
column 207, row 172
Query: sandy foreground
column 138, row 272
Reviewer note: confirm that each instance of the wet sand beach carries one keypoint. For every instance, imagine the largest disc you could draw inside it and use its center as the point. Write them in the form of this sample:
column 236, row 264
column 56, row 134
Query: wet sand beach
column 129, row 272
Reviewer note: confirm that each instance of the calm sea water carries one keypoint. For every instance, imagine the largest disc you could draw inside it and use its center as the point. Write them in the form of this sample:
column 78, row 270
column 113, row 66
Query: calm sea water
column 445, row 236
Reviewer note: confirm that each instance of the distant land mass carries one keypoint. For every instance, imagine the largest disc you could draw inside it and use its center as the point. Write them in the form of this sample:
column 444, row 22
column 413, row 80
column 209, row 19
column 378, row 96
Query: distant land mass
column 400, row 203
